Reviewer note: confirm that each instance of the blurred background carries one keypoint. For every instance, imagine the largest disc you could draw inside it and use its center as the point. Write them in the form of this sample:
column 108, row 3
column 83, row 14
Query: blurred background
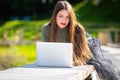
column 21, row 21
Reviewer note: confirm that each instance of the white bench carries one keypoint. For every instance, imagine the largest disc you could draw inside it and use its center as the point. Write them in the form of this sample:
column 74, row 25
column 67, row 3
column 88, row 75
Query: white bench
column 33, row 72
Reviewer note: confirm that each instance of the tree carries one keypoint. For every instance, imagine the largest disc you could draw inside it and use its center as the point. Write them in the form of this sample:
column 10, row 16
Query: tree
column 99, row 10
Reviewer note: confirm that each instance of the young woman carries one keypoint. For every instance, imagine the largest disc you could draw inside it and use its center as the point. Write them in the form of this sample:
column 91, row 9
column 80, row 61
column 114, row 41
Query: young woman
column 63, row 27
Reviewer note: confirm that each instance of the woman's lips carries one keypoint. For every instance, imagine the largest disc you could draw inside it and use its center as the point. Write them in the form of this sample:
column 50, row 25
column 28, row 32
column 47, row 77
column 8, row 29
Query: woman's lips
column 62, row 23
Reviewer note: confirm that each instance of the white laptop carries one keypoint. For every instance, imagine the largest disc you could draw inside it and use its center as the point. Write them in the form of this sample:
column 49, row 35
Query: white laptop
column 54, row 54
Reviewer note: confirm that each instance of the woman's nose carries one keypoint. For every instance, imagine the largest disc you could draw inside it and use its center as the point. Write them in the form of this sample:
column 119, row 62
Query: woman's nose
column 64, row 20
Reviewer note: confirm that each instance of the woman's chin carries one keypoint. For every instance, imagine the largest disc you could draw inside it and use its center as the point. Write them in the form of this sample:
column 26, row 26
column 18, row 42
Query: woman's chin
column 62, row 27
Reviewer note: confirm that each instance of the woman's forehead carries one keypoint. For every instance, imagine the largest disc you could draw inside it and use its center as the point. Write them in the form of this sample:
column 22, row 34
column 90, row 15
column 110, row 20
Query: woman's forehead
column 64, row 12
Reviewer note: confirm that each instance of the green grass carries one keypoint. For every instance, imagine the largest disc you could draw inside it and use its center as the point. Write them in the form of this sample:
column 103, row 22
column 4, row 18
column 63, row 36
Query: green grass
column 16, row 55
column 13, row 27
column 28, row 50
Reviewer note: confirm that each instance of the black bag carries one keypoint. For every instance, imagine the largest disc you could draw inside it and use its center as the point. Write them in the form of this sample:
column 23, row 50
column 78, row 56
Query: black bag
column 105, row 67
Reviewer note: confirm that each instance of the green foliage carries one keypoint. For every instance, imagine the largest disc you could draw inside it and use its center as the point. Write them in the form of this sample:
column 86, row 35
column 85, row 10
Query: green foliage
column 28, row 50
column 13, row 28
column 16, row 55
column 95, row 34
column 22, row 23
column 10, row 58
column 103, row 11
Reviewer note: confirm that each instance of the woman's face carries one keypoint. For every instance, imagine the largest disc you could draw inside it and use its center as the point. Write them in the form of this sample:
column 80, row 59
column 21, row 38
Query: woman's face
column 62, row 18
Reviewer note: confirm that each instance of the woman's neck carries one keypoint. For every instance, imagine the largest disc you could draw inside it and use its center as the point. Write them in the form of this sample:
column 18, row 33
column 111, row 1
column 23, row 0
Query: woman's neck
column 62, row 29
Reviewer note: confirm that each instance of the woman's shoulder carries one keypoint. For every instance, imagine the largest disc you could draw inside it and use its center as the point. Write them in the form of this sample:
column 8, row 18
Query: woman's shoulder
column 79, row 28
column 78, row 25
column 46, row 27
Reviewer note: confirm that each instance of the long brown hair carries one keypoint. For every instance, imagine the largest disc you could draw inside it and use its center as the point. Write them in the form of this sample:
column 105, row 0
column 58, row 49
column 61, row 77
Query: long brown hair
column 81, row 50
column 75, row 34
column 60, row 6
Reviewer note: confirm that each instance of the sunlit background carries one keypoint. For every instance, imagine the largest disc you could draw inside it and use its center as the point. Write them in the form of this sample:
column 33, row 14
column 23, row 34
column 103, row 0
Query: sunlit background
column 21, row 21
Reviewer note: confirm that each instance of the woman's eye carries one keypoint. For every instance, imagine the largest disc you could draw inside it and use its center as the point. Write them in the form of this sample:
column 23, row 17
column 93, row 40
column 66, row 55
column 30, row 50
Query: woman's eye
column 67, row 17
column 60, row 16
